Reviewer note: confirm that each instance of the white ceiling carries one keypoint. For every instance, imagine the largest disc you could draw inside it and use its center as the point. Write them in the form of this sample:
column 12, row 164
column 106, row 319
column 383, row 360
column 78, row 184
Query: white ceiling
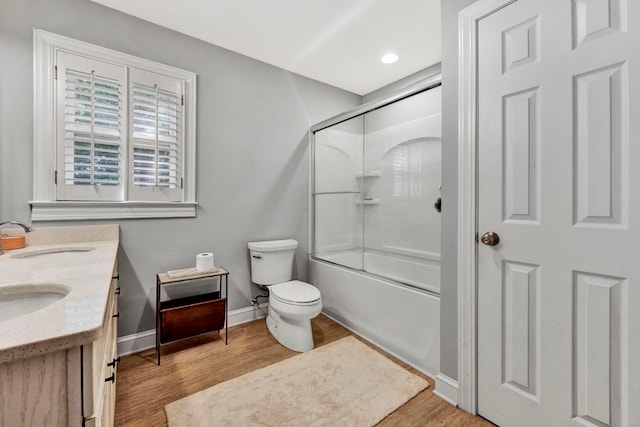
column 334, row 41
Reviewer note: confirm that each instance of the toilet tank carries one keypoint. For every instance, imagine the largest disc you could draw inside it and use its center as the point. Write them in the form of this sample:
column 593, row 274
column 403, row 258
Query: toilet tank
column 272, row 261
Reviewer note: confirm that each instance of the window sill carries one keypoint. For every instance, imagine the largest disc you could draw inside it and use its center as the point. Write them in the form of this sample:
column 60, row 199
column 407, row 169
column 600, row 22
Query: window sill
column 66, row 211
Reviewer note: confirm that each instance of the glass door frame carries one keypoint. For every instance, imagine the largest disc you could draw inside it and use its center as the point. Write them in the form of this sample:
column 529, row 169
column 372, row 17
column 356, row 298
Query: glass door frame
column 423, row 85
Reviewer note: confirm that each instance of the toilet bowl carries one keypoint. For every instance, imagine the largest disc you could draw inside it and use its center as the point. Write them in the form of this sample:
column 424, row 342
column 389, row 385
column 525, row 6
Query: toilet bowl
column 292, row 303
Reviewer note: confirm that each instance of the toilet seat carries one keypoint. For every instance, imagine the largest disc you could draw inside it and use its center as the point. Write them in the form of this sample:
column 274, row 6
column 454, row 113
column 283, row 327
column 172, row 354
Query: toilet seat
column 295, row 292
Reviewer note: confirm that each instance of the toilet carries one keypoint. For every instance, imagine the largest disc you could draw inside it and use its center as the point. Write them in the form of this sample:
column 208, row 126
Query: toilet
column 292, row 303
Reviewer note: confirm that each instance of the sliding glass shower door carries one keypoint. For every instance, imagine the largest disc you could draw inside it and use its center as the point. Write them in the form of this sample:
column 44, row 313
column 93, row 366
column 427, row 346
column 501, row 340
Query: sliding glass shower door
column 338, row 154
column 377, row 191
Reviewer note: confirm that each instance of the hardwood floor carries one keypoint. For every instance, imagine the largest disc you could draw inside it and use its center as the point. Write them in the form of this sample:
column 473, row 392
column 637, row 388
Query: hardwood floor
column 192, row 365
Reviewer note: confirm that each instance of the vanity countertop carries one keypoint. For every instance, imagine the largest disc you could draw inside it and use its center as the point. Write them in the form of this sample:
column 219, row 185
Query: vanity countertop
column 77, row 318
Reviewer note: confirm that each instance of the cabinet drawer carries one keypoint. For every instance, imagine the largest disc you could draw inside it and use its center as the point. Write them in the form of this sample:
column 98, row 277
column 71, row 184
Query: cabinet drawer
column 194, row 319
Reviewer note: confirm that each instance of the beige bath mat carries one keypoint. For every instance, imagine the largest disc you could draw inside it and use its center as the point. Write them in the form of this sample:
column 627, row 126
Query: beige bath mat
column 344, row 383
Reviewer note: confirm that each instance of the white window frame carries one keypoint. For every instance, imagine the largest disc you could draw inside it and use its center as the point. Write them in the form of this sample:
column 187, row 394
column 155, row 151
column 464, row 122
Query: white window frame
column 44, row 206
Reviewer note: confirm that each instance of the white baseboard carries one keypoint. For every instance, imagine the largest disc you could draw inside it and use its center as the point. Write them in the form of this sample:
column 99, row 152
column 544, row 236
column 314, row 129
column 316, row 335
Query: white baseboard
column 136, row 343
column 248, row 314
column 145, row 340
column 446, row 389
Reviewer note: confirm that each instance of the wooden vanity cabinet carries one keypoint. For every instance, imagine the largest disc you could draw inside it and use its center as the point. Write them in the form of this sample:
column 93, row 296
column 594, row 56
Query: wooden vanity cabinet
column 99, row 366
column 65, row 387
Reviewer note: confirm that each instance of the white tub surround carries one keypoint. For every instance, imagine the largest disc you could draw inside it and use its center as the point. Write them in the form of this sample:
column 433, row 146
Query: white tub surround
column 77, row 318
column 58, row 363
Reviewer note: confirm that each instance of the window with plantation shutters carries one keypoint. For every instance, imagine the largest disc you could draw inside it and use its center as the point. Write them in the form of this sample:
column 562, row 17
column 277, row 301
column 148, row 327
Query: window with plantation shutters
column 114, row 134
column 156, row 144
column 90, row 129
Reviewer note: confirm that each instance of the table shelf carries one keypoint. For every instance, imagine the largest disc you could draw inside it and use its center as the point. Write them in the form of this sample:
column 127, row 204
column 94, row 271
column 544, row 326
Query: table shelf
column 192, row 315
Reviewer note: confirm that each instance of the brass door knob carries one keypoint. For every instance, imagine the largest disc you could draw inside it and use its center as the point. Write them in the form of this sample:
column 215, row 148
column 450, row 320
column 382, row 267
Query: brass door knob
column 490, row 238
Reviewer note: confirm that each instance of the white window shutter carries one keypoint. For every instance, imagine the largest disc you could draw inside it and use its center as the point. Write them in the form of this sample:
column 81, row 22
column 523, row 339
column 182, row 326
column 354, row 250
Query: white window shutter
column 90, row 97
column 156, row 138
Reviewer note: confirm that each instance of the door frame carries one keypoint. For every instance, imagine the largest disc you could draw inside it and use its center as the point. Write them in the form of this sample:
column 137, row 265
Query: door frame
column 468, row 20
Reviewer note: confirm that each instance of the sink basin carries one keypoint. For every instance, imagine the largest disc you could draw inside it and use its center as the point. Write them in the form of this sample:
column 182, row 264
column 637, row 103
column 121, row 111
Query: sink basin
column 21, row 299
column 52, row 250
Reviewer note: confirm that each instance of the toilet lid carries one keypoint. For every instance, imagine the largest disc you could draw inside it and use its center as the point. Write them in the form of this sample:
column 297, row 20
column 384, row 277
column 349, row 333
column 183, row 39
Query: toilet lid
column 295, row 292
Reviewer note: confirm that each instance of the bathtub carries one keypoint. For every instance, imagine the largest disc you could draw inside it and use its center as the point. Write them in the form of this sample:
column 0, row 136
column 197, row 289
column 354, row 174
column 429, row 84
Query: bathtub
column 402, row 319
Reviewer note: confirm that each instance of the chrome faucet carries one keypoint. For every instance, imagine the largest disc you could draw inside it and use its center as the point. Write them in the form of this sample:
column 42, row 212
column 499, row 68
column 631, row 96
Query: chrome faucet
column 25, row 227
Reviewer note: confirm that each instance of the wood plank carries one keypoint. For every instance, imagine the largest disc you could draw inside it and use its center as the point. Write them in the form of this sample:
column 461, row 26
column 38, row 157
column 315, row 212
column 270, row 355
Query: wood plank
column 195, row 364
column 33, row 391
column 194, row 319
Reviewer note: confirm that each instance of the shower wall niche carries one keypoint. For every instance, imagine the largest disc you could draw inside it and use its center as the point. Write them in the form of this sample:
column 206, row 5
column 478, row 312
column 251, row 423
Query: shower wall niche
column 377, row 190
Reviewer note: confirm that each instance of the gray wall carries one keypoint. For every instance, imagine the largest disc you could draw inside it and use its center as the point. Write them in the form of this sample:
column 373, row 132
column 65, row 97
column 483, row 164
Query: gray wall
column 252, row 166
column 449, row 266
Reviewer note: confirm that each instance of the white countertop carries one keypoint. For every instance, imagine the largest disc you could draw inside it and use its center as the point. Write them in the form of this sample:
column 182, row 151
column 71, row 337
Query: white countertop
column 75, row 319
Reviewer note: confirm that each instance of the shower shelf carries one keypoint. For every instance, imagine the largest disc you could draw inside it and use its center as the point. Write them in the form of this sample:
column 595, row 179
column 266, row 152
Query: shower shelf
column 368, row 202
column 369, row 174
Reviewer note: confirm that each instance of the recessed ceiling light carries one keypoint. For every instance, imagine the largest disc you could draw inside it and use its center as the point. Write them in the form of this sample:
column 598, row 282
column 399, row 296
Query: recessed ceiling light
column 389, row 58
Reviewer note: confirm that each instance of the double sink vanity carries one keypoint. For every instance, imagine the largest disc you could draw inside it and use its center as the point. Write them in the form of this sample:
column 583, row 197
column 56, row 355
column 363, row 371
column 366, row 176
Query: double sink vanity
column 58, row 328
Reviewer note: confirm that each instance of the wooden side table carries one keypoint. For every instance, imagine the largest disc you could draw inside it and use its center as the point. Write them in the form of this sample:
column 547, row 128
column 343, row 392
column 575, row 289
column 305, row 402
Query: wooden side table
column 186, row 317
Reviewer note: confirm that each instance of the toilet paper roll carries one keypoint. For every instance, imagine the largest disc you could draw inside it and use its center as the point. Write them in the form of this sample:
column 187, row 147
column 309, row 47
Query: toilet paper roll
column 204, row 261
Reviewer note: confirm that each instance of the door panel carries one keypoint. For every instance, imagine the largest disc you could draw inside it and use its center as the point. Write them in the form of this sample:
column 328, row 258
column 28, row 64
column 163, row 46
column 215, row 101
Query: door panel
column 557, row 330
column 521, row 155
column 521, row 336
column 600, row 123
column 598, row 347
column 597, row 18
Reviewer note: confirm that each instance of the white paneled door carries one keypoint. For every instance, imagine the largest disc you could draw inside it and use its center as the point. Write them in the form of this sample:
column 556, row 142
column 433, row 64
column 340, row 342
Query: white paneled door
column 559, row 186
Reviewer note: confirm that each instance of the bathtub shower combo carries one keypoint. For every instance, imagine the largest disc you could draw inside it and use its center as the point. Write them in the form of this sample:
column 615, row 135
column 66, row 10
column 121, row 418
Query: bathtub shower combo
column 375, row 226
